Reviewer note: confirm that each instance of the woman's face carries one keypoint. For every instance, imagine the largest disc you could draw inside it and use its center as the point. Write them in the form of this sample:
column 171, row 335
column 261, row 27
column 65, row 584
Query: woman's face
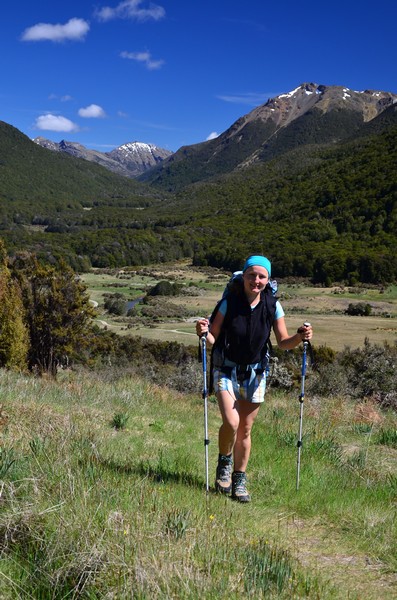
column 255, row 279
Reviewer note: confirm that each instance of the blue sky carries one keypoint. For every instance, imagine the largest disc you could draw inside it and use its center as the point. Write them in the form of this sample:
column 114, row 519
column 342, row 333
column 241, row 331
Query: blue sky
column 177, row 72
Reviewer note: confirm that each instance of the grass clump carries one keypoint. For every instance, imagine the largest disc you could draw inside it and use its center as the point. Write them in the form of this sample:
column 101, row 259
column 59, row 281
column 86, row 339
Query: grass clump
column 271, row 573
column 119, row 420
column 7, row 460
column 387, row 437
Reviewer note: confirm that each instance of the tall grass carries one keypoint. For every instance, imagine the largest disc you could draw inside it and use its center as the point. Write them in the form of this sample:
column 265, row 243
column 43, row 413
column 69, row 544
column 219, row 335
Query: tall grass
column 94, row 506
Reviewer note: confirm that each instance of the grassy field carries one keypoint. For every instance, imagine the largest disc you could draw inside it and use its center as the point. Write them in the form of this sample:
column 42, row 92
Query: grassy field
column 102, row 473
column 102, row 496
column 323, row 307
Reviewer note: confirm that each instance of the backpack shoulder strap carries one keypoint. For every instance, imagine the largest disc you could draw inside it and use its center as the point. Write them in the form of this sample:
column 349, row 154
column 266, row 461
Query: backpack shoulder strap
column 269, row 299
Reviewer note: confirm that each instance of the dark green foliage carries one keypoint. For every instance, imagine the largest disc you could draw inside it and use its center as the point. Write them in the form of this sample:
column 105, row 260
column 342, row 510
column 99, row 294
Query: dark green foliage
column 325, row 211
column 7, row 460
column 165, row 288
column 119, row 420
column 115, row 304
column 58, row 312
column 14, row 341
column 323, row 355
column 361, row 309
column 312, row 128
column 38, row 183
column 344, row 215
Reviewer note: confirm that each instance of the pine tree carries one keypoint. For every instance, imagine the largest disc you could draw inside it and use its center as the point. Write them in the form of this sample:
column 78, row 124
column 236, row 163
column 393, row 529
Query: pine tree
column 58, row 310
column 14, row 339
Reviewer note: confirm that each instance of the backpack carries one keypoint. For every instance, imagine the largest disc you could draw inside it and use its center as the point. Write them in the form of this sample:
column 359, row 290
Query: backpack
column 236, row 281
column 234, row 288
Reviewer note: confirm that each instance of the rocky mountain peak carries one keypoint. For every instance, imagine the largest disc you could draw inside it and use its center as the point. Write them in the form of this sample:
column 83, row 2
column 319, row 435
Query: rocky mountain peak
column 130, row 159
column 142, row 154
column 329, row 113
column 42, row 141
column 309, row 114
column 287, row 107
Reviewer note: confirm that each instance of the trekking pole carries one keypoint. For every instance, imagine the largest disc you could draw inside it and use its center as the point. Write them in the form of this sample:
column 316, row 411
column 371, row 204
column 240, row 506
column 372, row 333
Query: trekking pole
column 301, row 399
column 205, row 398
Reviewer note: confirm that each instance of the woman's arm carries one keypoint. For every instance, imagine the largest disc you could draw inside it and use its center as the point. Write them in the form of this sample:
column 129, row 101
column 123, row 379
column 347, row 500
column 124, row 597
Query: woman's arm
column 288, row 342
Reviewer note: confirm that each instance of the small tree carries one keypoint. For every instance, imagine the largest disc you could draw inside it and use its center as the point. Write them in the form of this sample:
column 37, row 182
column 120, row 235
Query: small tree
column 361, row 309
column 58, row 311
column 14, row 339
column 164, row 288
column 116, row 304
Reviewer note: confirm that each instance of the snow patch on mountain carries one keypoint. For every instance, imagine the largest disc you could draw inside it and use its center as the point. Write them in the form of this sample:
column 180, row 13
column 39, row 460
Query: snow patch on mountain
column 130, row 159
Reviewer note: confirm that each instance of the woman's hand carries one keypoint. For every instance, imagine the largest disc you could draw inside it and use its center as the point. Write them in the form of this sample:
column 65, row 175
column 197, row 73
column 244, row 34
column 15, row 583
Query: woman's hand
column 306, row 332
column 202, row 326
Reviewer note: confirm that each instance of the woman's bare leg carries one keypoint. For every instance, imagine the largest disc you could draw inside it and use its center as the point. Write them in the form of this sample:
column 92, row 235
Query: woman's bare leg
column 230, row 422
column 242, row 447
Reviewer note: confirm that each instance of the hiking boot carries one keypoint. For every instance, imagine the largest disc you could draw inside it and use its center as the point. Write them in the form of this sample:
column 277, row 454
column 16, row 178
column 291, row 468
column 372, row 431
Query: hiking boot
column 223, row 478
column 239, row 487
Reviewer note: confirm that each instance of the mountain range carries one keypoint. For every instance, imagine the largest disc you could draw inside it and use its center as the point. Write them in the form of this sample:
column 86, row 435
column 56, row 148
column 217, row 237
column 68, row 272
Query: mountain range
column 310, row 114
column 309, row 178
column 129, row 160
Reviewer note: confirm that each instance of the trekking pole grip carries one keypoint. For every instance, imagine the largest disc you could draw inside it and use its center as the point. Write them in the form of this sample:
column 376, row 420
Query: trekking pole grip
column 203, row 340
column 304, row 365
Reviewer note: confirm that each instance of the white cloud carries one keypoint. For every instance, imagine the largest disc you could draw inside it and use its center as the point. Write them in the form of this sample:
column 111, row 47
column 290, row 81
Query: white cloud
column 74, row 29
column 212, row 136
column 145, row 58
column 51, row 122
column 93, row 111
column 249, row 98
column 131, row 9
column 65, row 98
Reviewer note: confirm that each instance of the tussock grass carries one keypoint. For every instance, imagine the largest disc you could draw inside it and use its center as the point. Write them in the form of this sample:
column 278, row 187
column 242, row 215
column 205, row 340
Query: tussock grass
column 98, row 505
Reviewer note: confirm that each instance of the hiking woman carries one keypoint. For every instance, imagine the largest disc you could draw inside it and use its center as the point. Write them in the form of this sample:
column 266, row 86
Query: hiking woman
column 239, row 330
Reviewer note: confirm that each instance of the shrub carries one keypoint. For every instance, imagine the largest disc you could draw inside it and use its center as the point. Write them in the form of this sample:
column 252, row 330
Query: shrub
column 367, row 372
column 115, row 304
column 360, row 309
column 323, row 355
column 165, row 288
column 58, row 311
column 14, row 338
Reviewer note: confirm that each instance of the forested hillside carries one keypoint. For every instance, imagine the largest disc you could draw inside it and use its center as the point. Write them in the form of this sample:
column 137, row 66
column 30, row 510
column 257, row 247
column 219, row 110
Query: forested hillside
column 310, row 114
column 36, row 181
column 329, row 213
column 325, row 211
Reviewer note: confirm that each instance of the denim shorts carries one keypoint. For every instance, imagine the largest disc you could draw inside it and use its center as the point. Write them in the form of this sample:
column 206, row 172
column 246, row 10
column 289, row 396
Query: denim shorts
column 249, row 385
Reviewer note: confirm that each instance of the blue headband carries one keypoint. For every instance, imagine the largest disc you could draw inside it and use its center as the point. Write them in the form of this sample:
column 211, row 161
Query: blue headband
column 259, row 261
